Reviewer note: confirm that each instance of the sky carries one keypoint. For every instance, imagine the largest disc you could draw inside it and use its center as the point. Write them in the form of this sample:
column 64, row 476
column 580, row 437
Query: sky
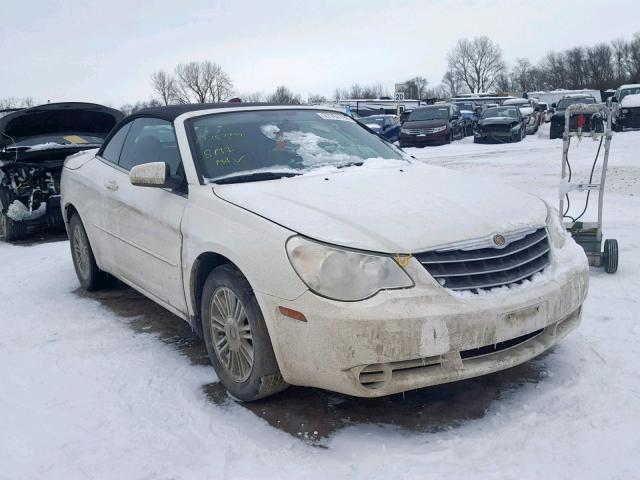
column 105, row 51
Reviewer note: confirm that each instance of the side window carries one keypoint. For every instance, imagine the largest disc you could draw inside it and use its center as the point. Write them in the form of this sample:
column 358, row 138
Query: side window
column 151, row 140
column 112, row 150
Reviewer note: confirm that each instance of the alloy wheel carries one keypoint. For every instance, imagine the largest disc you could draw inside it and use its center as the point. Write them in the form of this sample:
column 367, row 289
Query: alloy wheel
column 231, row 332
column 81, row 253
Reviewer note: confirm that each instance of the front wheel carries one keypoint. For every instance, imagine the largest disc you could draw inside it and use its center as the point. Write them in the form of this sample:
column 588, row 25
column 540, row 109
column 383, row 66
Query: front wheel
column 236, row 337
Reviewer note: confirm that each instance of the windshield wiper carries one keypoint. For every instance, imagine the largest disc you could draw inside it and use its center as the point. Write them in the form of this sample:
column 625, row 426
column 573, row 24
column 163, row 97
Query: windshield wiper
column 253, row 177
column 350, row 164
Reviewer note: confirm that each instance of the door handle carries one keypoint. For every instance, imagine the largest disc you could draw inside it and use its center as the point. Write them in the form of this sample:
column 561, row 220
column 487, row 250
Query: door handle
column 111, row 185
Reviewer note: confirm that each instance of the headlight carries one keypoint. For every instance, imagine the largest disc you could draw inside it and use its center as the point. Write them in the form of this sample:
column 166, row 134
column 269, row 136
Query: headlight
column 439, row 129
column 342, row 274
column 556, row 229
column 404, row 130
column 625, row 110
column 516, row 127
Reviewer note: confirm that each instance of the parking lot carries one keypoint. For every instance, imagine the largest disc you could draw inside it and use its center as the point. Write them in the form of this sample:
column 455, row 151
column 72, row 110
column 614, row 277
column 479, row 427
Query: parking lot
column 93, row 377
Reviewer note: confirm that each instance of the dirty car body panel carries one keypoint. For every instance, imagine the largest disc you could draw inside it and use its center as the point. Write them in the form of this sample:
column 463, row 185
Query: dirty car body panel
column 486, row 278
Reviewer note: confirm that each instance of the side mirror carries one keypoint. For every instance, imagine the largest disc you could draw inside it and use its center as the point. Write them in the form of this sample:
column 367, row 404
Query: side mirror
column 553, row 105
column 614, row 100
column 154, row 174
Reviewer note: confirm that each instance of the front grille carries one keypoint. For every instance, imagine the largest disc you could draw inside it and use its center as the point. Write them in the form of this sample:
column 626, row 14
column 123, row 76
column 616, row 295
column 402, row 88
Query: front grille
column 498, row 347
column 496, row 128
column 421, row 131
column 485, row 268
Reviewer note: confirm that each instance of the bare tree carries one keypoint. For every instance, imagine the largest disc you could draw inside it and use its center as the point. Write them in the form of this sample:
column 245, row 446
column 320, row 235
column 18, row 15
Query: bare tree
column 452, row 86
column 128, row 108
column 477, row 63
column 315, row 99
column 253, row 97
column 164, row 85
column 416, row 87
column 599, row 65
column 521, row 74
column 13, row 102
column 201, row 82
column 284, row 95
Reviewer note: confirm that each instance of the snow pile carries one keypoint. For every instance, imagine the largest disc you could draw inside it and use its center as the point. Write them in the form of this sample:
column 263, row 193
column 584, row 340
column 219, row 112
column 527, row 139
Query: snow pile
column 631, row 101
column 314, row 150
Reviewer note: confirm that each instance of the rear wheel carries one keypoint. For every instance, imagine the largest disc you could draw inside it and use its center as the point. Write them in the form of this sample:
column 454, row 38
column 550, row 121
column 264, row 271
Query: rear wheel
column 610, row 256
column 236, row 337
column 89, row 275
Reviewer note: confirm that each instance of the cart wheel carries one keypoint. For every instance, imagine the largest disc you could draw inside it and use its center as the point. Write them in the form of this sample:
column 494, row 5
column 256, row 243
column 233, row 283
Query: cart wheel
column 610, row 255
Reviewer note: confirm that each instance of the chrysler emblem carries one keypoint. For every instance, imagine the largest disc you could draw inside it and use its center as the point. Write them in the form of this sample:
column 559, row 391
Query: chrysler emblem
column 499, row 240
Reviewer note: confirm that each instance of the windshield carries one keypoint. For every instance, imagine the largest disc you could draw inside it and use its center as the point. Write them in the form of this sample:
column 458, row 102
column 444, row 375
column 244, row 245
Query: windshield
column 372, row 121
column 501, row 112
column 629, row 91
column 565, row 102
column 435, row 113
column 282, row 140
column 465, row 106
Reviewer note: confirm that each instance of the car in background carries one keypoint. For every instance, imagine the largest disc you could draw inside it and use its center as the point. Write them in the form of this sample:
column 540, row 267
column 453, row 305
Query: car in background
column 470, row 112
column 378, row 276
column 386, row 126
column 625, row 104
column 432, row 125
column 34, row 143
column 590, row 122
column 500, row 124
column 530, row 109
column 545, row 110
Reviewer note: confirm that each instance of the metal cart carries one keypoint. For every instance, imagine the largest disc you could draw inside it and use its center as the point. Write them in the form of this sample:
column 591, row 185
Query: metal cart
column 588, row 234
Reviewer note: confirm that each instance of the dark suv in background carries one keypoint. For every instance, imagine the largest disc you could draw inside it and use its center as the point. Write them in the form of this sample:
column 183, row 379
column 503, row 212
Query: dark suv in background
column 556, row 130
column 432, row 125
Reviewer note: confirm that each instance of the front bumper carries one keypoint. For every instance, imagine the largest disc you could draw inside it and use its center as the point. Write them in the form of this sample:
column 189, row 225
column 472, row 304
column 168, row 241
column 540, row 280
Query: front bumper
column 494, row 135
column 438, row 138
column 630, row 120
column 406, row 339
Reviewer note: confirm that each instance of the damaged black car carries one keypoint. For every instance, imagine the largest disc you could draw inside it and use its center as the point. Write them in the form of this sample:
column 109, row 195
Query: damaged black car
column 34, row 143
column 500, row 124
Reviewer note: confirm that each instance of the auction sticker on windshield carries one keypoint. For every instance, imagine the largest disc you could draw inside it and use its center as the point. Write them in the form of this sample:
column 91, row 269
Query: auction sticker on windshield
column 334, row 116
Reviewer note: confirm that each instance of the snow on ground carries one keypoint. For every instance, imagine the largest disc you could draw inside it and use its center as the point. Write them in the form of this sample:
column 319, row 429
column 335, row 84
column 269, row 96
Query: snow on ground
column 82, row 395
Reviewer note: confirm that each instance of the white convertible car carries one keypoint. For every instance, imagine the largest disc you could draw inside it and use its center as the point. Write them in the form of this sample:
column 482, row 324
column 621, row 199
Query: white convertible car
column 307, row 250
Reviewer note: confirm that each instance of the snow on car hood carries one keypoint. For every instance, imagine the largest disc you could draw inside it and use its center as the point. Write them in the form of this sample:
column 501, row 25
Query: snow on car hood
column 398, row 209
column 631, row 101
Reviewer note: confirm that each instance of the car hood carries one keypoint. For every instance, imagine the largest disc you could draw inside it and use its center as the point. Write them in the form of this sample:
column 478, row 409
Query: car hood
column 399, row 209
column 58, row 118
column 497, row 121
column 425, row 124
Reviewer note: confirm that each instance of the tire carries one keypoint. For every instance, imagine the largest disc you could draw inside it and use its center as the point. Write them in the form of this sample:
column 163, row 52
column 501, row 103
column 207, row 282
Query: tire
column 610, row 256
column 91, row 278
column 449, row 137
column 12, row 230
column 236, row 338
column 476, row 140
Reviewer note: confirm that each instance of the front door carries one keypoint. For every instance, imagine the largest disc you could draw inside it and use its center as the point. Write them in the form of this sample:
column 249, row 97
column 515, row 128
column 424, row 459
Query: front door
column 145, row 221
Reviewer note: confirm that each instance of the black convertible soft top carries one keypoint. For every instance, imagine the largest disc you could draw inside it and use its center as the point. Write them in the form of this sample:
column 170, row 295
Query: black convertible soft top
column 171, row 112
